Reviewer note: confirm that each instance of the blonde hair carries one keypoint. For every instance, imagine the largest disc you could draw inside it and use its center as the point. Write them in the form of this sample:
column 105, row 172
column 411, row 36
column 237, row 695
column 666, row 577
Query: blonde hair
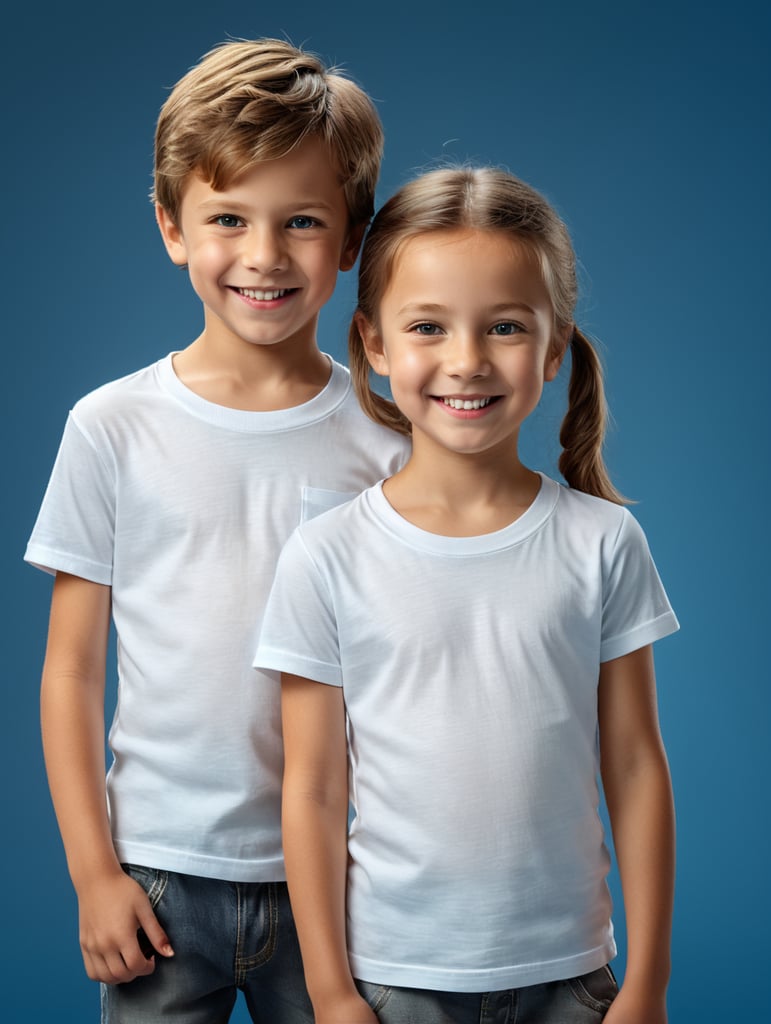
column 249, row 101
column 487, row 198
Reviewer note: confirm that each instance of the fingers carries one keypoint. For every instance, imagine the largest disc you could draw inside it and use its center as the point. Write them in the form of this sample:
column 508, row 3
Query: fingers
column 119, row 965
column 151, row 936
column 116, row 960
column 120, row 936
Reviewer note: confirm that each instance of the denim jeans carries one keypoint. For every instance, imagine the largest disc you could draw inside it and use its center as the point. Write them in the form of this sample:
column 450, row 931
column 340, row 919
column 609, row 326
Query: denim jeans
column 583, row 1000
column 226, row 936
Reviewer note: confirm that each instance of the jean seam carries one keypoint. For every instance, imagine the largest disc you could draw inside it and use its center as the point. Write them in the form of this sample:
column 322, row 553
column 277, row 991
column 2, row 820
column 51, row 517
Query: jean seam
column 244, row 964
column 585, row 998
column 157, row 888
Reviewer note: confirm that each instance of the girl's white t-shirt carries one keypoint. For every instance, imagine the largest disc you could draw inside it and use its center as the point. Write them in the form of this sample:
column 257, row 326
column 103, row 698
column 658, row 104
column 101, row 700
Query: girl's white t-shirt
column 469, row 668
column 182, row 506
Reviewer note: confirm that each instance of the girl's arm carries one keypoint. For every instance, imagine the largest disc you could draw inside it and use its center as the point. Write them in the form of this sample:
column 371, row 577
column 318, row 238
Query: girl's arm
column 638, row 791
column 112, row 907
column 315, row 831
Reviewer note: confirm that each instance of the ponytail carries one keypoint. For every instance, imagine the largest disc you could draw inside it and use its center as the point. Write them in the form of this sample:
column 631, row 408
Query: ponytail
column 583, row 429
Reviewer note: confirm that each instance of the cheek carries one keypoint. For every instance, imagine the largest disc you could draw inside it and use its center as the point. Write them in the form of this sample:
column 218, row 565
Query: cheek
column 532, row 368
column 207, row 259
column 322, row 268
column 407, row 365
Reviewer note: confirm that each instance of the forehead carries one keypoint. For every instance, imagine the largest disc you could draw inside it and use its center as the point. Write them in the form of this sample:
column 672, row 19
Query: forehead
column 308, row 172
column 467, row 261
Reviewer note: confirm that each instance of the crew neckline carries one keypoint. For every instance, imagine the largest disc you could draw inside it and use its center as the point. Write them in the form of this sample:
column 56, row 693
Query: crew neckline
column 524, row 526
column 248, row 421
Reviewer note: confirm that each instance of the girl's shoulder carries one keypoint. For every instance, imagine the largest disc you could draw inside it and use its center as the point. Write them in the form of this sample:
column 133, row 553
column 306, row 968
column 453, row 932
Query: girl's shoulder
column 574, row 502
column 587, row 515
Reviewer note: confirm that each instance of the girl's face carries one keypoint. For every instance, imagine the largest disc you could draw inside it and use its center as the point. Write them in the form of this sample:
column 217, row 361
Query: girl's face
column 466, row 336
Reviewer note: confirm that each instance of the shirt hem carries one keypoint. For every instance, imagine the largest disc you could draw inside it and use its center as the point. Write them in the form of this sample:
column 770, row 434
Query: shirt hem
column 648, row 633
column 494, row 979
column 281, row 661
column 222, row 868
column 51, row 561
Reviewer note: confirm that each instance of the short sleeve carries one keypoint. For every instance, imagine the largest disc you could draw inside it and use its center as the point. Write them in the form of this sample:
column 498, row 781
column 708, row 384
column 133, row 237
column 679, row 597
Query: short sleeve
column 75, row 528
column 299, row 630
column 636, row 610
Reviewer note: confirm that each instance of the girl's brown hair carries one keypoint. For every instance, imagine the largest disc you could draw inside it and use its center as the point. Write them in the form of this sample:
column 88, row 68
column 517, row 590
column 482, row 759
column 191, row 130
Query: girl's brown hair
column 490, row 199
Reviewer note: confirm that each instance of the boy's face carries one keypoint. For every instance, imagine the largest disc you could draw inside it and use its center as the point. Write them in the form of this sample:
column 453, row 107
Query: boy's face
column 263, row 254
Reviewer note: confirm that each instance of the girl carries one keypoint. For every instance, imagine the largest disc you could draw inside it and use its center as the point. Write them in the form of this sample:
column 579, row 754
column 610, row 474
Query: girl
column 475, row 623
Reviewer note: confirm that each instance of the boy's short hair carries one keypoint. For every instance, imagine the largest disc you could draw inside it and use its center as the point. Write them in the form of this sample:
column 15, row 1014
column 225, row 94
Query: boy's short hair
column 253, row 100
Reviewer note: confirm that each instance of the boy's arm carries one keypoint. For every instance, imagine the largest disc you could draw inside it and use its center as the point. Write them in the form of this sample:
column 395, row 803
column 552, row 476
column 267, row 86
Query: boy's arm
column 112, row 906
column 315, row 827
column 638, row 791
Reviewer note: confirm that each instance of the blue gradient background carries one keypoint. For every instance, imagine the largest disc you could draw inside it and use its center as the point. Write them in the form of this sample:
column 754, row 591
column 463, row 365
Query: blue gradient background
column 647, row 124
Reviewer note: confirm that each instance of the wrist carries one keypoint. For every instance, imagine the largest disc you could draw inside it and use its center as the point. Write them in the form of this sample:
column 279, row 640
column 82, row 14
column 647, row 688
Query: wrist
column 651, row 981
column 348, row 1006
column 328, row 993
column 86, row 871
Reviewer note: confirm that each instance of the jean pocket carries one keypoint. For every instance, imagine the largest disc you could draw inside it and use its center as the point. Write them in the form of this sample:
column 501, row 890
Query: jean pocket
column 376, row 996
column 595, row 990
column 152, row 880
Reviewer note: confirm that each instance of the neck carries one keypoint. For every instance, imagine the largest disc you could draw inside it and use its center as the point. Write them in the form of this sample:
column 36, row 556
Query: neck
column 459, row 494
column 231, row 372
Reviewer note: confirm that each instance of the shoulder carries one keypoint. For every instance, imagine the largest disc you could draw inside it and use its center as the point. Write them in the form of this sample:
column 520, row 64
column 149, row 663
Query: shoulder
column 336, row 537
column 594, row 527
column 111, row 399
column 586, row 512
column 335, row 524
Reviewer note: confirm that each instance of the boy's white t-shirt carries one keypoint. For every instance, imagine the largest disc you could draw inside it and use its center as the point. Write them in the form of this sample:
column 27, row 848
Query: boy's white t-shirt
column 182, row 507
column 469, row 667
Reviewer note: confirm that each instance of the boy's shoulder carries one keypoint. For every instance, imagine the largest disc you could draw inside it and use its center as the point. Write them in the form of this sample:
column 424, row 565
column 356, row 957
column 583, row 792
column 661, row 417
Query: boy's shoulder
column 111, row 396
column 334, row 416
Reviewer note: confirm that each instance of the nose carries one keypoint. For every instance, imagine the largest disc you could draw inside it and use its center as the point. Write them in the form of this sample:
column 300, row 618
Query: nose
column 264, row 250
column 467, row 357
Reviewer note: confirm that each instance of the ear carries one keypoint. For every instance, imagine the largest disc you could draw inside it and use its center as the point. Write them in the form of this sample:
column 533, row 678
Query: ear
column 352, row 245
column 557, row 350
column 172, row 236
column 373, row 344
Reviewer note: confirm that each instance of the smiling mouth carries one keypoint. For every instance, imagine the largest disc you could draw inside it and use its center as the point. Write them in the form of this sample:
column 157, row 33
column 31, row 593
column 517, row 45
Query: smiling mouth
column 265, row 294
column 468, row 403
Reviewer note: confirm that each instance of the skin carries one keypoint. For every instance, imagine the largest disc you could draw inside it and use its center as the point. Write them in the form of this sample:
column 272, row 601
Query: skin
column 282, row 225
column 111, row 905
column 466, row 315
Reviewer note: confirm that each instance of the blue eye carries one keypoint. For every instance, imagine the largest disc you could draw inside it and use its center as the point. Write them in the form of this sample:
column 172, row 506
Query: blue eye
column 507, row 328
column 302, row 221
column 426, row 329
column 228, row 220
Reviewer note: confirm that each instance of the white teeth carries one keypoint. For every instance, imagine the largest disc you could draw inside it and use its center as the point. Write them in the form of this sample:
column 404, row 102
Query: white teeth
column 466, row 403
column 263, row 296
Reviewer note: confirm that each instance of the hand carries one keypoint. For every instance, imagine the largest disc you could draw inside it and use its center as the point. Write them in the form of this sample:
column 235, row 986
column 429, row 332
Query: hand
column 630, row 1007
column 113, row 908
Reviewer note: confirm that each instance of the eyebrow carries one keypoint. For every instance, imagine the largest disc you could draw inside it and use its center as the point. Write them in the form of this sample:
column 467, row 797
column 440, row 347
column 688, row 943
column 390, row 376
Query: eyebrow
column 436, row 307
column 222, row 201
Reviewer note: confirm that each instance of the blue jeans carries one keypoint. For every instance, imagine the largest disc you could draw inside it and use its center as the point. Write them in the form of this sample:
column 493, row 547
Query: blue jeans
column 583, row 1000
column 226, row 936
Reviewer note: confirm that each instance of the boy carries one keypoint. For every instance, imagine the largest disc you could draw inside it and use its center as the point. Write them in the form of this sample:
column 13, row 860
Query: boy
column 172, row 493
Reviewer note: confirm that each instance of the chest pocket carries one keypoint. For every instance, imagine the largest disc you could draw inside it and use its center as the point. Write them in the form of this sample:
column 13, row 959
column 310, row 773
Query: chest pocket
column 316, row 500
